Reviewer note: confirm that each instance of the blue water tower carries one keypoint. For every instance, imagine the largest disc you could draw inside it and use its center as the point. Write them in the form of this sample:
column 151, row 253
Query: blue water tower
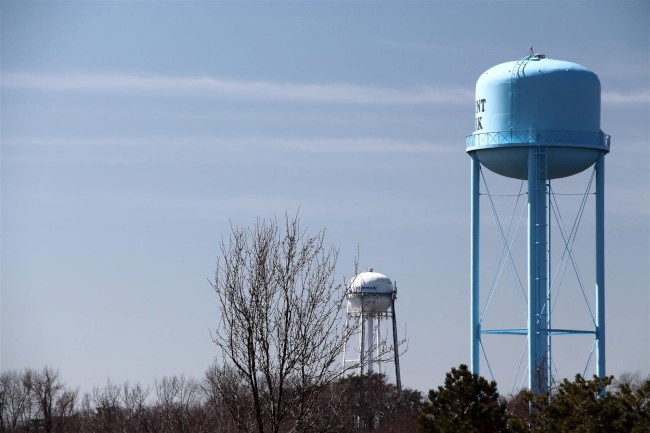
column 538, row 119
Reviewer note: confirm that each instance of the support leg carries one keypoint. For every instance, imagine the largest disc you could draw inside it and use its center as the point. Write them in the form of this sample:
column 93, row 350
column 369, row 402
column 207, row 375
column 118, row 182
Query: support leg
column 538, row 354
column 398, row 379
column 474, row 264
column 600, row 264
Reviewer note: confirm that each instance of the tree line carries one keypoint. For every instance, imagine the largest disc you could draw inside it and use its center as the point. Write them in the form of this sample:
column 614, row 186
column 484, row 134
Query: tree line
column 39, row 401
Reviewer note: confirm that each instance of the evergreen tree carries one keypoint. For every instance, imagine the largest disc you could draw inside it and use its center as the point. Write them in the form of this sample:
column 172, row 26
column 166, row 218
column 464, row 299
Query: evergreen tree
column 581, row 406
column 466, row 403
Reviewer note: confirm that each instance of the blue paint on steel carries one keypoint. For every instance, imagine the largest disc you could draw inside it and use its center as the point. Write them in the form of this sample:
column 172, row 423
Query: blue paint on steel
column 519, row 331
column 524, row 331
column 488, row 140
column 474, row 263
column 544, row 94
column 569, row 332
column 538, row 102
column 600, row 265
column 538, row 307
column 538, row 119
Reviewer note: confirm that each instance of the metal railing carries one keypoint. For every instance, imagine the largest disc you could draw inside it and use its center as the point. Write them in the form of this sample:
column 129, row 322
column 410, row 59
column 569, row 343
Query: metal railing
column 597, row 140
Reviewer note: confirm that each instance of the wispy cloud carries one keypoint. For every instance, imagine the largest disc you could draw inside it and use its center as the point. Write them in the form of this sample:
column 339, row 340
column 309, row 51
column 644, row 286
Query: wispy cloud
column 632, row 98
column 131, row 150
column 327, row 93
column 364, row 145
column 270, row 91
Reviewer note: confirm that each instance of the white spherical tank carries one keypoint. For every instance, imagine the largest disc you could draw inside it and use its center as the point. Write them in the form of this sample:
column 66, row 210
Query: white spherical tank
column 370, row 292
column 537, row 101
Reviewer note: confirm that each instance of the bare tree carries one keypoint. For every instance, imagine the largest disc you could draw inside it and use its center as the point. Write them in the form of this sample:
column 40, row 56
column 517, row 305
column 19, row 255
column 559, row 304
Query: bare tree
column 632, row 380
column 220, row 419
column 134, row 399
column 15, row 400
column 280, row 331
column 30, row 410
column 87, row 420
column 46, row 389
column 64, row 408
column 177, row 397
column 108, row 413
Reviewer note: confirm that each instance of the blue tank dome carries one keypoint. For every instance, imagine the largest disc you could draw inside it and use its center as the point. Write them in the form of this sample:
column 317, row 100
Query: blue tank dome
column 542, row 102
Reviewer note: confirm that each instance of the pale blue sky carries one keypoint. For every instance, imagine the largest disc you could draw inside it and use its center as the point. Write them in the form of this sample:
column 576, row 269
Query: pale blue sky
column 133, row 132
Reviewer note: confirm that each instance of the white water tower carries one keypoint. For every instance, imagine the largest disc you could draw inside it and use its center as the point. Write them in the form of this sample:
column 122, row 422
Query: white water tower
column 371, row 302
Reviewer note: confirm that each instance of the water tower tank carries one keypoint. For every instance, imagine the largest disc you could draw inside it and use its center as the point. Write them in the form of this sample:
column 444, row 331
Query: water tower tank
column 537, row 101
column 370, row 292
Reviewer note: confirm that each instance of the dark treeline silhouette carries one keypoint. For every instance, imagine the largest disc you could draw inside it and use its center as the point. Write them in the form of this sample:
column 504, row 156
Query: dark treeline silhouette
column 469, row 403
column 39, row 401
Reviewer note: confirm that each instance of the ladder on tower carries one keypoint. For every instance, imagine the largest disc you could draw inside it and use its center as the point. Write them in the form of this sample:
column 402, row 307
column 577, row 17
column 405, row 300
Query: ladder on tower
column 514, row 76
column 542, row 189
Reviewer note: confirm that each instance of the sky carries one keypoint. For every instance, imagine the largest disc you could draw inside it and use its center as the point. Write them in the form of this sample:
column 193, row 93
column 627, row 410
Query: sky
column 135, row 133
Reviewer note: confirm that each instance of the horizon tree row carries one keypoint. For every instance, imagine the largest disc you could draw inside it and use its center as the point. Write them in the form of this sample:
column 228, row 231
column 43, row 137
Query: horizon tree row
column 38, row 401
